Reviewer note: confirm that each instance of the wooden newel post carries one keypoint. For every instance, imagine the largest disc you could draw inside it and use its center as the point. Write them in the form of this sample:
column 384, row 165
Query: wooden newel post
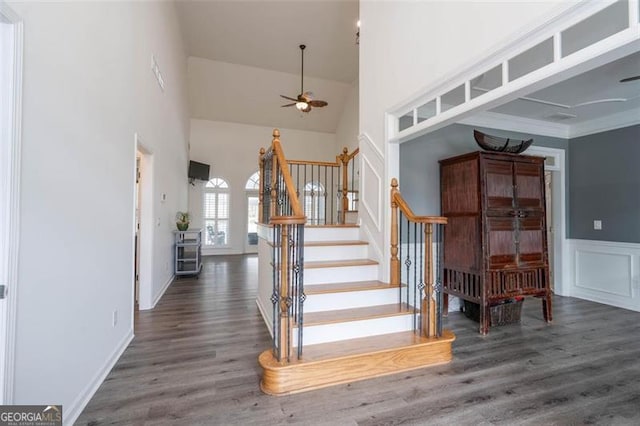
column 394, row 278
column 344, row 159
column 286, row 325
column 428, row 303
column 274, row 174
column 261, row 186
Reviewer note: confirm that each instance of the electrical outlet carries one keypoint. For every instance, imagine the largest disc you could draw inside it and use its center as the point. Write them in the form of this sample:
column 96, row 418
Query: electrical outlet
column 597, row 225
column 115, row 318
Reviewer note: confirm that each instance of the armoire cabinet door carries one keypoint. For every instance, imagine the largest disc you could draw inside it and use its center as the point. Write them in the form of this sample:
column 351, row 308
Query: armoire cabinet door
column 501, row 250
column 498, row 180
column 531, row 247
column 529, row 181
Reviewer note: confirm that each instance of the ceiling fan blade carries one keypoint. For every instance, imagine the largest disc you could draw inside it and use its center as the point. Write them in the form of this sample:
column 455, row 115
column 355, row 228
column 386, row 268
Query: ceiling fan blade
column 287, row 105
column 288, row 98
column 318, row 104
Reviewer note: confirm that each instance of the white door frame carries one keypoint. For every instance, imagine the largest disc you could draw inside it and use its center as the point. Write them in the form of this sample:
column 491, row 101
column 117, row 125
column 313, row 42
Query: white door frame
column 147, row 225
column 561, row 270
column 11, row 42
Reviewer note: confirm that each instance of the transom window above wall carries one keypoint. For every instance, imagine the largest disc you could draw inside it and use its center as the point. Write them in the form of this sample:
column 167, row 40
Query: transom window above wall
column 580, row 38
column 216, row 212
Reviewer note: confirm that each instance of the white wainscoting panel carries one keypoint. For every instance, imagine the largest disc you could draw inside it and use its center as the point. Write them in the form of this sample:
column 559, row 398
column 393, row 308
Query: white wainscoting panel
column 606, row 272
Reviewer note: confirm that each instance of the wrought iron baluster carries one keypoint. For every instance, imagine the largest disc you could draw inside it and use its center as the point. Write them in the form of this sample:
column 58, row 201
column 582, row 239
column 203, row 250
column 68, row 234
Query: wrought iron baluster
column 421, row 284
column 400, row 254
column 407, row 262
column 325, row 195
column 439, row 284
column 415, row 272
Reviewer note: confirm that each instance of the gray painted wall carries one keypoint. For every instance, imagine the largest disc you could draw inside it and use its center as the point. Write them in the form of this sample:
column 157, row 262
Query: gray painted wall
column 604, row 184
column 419, row 169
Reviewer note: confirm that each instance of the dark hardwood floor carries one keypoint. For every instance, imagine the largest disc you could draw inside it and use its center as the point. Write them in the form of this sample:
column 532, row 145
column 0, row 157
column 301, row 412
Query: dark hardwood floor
column 194, row 362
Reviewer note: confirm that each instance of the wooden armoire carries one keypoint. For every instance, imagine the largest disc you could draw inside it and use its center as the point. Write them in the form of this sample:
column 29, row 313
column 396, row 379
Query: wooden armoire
column 495, row 242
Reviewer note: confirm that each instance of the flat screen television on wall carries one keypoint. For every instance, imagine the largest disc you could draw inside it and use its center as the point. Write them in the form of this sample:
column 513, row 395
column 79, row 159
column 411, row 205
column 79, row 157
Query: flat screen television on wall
column 199, row 171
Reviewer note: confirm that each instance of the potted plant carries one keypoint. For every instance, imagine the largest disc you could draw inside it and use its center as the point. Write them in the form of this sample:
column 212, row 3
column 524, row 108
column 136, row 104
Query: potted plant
column 182, row 221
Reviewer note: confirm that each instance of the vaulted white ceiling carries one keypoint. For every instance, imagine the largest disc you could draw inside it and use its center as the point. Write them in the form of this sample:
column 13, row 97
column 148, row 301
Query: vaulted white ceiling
column 265, row 34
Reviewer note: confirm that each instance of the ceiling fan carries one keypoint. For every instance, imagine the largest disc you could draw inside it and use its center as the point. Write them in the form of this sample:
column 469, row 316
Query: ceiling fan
column 304, row 101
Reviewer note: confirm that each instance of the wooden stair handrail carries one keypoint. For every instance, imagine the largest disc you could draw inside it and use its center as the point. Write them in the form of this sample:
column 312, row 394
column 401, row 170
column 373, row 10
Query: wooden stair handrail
column 396, row 197
column 427, row 309
column 278, row 154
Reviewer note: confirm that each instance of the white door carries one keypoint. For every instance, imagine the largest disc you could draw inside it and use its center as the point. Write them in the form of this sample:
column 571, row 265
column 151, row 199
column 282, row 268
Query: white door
column 10, row 75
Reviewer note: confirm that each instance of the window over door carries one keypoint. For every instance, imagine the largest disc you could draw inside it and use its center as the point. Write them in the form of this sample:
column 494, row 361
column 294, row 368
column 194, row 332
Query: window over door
column 216, row 213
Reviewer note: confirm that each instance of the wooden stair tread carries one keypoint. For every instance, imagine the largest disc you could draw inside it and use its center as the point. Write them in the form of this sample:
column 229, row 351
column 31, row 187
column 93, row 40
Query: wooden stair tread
column 338, row 263
column 335, row 225
column 332, row 243
column 346, row 287
column 356, row 314
column 335, row 243
column 334, row 363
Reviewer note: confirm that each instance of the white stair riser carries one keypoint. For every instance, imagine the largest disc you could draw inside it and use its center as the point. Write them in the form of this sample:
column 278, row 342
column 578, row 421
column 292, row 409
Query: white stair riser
column 331, row 234
column 345, row 274
column 349, row 299
column 337, row 252
column 353, row 329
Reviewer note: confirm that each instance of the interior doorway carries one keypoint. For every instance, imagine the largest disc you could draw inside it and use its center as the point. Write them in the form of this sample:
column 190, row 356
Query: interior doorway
column 143, row 230
column 136, row 250
column 548, row 194
column 10, row 133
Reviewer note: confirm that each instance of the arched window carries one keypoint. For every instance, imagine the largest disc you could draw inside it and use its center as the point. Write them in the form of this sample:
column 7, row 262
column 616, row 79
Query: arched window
column 216, row 212
column 314, row 203
column 253, row 184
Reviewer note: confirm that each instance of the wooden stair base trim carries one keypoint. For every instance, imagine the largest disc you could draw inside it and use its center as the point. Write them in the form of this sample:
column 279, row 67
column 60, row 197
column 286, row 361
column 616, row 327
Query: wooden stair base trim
column 303, row 375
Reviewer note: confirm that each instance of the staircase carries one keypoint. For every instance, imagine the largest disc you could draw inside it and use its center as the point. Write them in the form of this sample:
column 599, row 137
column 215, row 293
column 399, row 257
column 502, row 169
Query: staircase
column 355, row 327
column 319, row 285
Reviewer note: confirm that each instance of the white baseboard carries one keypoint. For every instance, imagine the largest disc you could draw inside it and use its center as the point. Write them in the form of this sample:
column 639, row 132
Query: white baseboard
column 71, row 414
column 265, row 318
column 161, row 293
column 606, row 272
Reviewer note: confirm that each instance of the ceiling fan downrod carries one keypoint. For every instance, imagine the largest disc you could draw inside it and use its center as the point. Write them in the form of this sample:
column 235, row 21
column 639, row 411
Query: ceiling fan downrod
column 302, row 47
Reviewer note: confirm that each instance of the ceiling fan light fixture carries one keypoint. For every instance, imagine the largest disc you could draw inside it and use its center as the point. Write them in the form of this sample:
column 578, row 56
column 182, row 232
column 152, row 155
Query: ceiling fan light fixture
column 302, row 105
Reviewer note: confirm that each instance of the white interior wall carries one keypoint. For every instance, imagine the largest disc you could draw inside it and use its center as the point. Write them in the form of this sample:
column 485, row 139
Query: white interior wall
column 347, row 130
column 88, row 88
column 408, row 46
column 231, row 149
